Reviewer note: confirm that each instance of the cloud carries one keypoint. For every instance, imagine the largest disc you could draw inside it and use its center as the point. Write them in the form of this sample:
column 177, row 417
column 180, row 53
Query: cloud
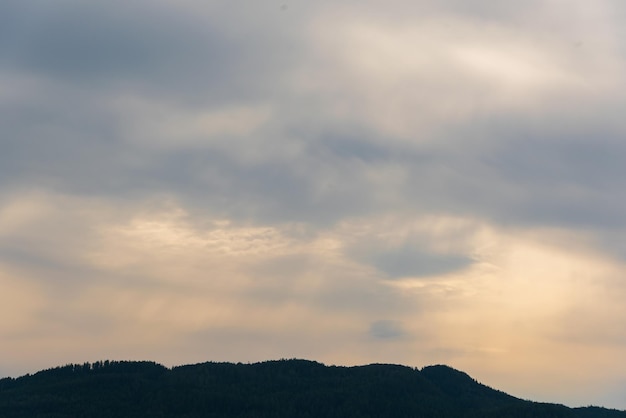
column 187, row 52
column 150, row 277
column 406, row 262
column 385, row 329
column 187, row 178
column 432, row 72
column 291, row 153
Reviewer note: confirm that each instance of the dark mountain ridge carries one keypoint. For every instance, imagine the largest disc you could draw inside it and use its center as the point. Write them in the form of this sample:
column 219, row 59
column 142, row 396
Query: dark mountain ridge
column 281, row 388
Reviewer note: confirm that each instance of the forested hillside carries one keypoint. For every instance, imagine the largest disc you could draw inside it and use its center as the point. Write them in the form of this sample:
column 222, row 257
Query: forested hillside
column 284, row 388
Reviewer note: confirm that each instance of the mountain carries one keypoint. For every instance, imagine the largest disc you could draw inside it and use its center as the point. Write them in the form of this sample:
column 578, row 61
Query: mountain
column 283, row 388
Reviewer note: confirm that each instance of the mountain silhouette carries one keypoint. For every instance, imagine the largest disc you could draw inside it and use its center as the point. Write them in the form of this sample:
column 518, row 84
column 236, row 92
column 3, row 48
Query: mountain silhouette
column 280, row 388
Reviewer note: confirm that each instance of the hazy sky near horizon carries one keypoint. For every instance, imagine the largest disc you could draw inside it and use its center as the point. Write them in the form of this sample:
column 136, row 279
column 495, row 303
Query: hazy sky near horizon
column 411, row 182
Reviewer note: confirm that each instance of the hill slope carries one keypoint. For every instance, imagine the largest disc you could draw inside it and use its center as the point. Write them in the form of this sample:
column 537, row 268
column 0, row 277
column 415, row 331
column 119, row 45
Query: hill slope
column 285, row 388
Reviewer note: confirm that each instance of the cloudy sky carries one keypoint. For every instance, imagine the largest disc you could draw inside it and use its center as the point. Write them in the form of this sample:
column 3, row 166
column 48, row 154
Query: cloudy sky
column 411, row 182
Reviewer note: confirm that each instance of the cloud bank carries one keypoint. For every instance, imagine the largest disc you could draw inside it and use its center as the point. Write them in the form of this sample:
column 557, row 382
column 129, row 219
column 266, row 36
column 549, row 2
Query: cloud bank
column 416, row 183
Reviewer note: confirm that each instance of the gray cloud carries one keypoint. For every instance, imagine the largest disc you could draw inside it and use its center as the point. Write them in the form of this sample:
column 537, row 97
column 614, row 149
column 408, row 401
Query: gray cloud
column 534, row 177
column 406, row 262
column 148, row 48
column 385, row 329
column 164, row 49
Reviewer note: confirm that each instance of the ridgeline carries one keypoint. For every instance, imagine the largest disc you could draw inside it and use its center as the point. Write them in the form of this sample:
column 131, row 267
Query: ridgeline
column 283, row 388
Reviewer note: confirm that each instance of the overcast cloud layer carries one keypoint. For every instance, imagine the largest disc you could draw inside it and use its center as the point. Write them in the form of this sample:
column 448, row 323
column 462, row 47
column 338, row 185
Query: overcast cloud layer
column 352, row 182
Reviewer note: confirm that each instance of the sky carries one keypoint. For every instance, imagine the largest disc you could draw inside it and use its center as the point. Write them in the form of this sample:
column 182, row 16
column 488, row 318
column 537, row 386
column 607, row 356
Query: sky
column 411, row 182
